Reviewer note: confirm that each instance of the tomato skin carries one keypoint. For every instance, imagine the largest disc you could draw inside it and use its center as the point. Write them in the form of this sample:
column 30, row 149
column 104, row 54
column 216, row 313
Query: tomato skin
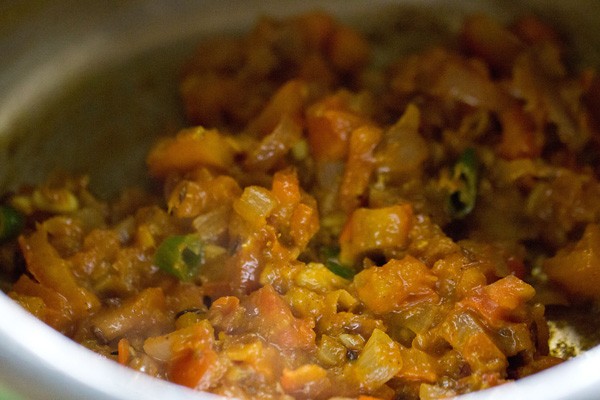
column 192, row 369
column 276, row 323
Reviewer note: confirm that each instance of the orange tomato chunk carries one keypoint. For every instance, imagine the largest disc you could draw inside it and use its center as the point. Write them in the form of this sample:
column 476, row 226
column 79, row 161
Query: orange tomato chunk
column 378, row 229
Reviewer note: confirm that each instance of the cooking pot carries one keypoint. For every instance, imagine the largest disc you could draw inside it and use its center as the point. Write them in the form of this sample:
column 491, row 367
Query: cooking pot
column 87, row 86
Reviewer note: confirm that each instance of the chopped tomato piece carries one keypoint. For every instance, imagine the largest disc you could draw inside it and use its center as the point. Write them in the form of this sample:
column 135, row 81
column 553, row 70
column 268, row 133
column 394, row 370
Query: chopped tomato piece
column 373, row 230
column 190, row 149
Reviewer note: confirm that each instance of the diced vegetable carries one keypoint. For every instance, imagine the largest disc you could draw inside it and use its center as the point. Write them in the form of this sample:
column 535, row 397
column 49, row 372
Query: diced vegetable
column 54, row 200
column 200, row 193
column 191, row 148
column 319, row 278
column 303, row 224
column 577, row 269
column 255, row 205
column 273, row 320
column 372, row 230
column 387, row 288
column 181, row 256
column 123, row 351
column 52, row 271
column 308, row 380
column 500, row 300
column 468, row 336
column 402, row 150
column 330, row 123
column 462, row 197
column 275, row 146
column 520, row 137
column 169, row 347
column 44, row 302
column 330, row 257
column 286, row 103
column 11, row 223
column 379, row 361
column 255, row 354
column 331, row 352
column 359, row 166
column 417, row 366
column 305, row 303
column 539, row 76
column 488, row 39
column 348, row 50
column 144, row 312
column 192, row 360
column 339, row 269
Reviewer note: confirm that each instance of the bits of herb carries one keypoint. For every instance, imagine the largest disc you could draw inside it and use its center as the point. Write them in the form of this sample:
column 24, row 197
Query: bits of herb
column 181, row 256
column 461, row 199
column 330, row 255
column 11, row 223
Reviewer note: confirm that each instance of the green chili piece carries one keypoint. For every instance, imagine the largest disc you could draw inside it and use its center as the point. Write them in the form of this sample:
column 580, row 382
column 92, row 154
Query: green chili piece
column 461, row 201
column 339, row 269
column 180, row 255
column 330, row 255
column 11, row 223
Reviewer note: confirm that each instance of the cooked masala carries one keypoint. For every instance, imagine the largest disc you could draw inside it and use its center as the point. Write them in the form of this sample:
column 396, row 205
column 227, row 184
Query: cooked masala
column 331, row 227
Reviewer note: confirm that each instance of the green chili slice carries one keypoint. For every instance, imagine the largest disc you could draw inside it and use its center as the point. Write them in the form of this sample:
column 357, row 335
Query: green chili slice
column 181, row 256
column 461, row 200
column 330, row 257
column 11, row 223
column 339, row 269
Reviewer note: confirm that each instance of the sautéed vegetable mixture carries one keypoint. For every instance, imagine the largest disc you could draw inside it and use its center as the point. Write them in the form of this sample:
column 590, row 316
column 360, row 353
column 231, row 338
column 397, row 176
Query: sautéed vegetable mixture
column 328, row 226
